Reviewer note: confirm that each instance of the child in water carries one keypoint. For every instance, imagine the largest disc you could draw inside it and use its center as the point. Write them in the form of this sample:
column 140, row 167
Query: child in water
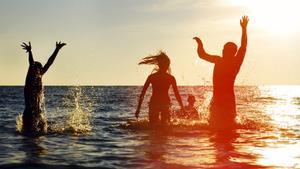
column 161, row 80
column 33, row 120
column 190, row 110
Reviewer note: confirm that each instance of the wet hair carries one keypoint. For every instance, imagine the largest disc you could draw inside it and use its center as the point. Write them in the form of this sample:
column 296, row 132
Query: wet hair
column 229, row 49
column 191, row 99
column 160, row 59
column 37, row 66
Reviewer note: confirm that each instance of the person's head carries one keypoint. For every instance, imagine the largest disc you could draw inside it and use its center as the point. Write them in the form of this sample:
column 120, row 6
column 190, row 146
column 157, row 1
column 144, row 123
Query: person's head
column 161, row 60
column 37, row 67
column 191, row 100
column 229, row 50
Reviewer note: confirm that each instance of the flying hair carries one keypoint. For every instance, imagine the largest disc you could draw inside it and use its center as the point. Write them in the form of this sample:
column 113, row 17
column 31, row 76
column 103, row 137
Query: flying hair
column 161, row 60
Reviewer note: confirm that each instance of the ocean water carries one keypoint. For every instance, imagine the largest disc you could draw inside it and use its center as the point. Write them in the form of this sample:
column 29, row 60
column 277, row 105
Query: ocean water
column 91, row 130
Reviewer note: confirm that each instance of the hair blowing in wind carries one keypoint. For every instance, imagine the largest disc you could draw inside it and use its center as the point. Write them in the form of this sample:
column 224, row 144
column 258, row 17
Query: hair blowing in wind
column 160, row 59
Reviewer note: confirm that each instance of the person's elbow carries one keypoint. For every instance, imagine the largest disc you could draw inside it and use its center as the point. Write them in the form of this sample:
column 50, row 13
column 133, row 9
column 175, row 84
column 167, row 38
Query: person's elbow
column 201, row 55
column 204, row 56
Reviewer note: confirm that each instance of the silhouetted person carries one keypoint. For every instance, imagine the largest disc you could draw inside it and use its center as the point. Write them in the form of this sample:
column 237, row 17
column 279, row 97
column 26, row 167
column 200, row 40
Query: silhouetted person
column 161, row 81
column 223, row 107
column 190, row 110
column 34, row 121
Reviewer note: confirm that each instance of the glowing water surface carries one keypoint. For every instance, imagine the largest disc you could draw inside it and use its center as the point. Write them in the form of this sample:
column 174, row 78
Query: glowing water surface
column 91, row 131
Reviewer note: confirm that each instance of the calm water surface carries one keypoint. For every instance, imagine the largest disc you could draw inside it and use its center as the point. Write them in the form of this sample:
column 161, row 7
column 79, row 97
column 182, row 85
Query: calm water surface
column 88, row 121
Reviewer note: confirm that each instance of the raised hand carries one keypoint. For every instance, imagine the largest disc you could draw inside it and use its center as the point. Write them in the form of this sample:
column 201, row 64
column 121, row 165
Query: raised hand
column 59, row 45
column 244, row 21
column 26, row 47
column 198, row 40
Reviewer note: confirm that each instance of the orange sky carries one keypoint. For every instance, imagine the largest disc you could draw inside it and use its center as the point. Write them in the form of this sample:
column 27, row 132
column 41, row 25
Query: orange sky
column 106, row 39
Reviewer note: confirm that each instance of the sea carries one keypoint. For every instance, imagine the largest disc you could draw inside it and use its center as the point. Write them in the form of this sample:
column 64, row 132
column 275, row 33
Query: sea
column 95, row 127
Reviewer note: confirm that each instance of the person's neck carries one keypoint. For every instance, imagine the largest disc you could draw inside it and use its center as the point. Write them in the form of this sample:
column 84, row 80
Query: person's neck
column 160, row 71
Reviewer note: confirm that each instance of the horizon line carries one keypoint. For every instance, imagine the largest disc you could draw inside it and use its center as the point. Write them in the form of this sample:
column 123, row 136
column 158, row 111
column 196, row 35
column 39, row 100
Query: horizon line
column 136, row 85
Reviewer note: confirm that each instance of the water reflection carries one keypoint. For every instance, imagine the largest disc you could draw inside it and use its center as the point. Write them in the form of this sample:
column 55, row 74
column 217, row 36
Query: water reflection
column 223, row 144
column 33, row 150
column 229, row 152
column 156, row 148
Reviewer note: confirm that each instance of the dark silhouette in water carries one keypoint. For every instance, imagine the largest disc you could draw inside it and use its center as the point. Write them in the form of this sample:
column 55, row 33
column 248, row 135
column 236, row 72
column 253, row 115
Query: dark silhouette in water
column 33, row 120
column 223, row 106
column 161, row 80
column 190, row 110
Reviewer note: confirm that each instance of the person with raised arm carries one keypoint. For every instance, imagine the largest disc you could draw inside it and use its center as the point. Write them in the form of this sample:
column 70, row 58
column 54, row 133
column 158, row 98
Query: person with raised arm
column 226, row 68
column 34, row 121
column 161, row 80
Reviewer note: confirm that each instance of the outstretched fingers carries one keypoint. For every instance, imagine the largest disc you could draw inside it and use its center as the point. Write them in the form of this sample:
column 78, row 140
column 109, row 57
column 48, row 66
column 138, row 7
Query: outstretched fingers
column 26, row 47
column 60, row 44
column 244, row 21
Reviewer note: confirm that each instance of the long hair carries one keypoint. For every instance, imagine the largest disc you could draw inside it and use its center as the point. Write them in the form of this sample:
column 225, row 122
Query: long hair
column 161, row 60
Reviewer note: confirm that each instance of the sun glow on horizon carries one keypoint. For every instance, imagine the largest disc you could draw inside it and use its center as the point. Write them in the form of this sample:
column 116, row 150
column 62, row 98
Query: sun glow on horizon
column 274, row 16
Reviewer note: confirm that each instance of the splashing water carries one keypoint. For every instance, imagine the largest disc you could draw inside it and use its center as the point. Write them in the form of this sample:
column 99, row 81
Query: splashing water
column 242, row 119
column 76, row 121
column 19, row 122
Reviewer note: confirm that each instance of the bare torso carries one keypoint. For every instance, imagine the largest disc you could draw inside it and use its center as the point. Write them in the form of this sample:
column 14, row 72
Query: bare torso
column 161, row 83
column 224, row 75
column 223, row 105
column 33, row 120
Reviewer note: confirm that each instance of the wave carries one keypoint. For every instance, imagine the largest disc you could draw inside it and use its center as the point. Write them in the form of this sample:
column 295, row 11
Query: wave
column 266, row 99
column 296, row 100
column 193, row 125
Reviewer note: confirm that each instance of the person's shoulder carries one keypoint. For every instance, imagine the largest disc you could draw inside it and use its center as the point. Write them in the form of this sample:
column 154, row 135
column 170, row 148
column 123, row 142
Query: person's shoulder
column 153, row 75
column 172, row 78
column 150, row 76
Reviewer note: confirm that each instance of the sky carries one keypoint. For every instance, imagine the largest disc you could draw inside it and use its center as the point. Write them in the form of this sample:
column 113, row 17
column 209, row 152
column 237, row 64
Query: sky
column 107, row 38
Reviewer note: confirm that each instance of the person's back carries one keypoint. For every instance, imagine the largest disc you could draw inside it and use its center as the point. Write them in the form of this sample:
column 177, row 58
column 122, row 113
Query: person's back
column 33, row 91
column 33, row 84
column 161, row 82
column 223, row 105
column 224, row 75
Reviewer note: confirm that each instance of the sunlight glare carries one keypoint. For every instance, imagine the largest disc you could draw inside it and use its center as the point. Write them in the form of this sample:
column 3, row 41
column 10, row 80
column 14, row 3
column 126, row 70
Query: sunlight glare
column 274, row 16
column 282, row 155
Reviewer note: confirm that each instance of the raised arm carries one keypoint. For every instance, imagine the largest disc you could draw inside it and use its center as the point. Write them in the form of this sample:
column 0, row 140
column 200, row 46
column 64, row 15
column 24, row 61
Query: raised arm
column 203, row 55
column 59, row 45
column 176, row 92
column 27, row 48
column 242, row 50
column 141, row 98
